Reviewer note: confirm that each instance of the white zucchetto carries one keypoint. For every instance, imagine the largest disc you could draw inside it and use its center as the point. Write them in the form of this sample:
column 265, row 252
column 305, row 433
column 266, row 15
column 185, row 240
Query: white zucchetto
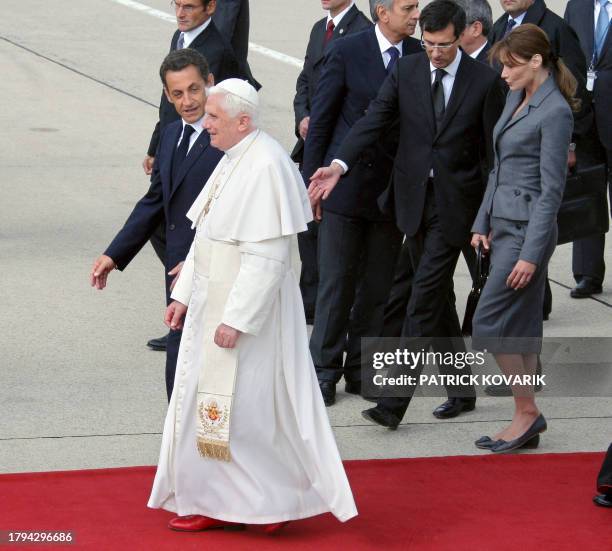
column 241, row 89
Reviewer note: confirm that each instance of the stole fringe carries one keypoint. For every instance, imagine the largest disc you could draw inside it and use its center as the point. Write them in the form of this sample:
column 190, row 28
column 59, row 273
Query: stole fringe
column 214, row 450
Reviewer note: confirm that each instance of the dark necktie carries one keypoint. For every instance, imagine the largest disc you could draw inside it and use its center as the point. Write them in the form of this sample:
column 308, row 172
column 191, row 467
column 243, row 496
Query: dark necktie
column 437, row 95
column 394, row 53
column 181, row 151
column 329, row 32
column 509, row 26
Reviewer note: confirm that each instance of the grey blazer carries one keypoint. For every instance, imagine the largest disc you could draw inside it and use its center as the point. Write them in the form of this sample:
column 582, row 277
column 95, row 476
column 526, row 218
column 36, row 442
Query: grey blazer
column 530, row 167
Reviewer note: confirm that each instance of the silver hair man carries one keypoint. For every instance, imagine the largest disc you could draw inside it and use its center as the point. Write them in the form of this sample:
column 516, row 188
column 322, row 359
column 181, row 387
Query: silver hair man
column 387, row 4
column 479, row 10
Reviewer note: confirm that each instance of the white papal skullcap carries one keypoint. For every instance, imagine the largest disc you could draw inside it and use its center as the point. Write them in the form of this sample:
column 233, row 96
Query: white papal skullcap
column 241, row 89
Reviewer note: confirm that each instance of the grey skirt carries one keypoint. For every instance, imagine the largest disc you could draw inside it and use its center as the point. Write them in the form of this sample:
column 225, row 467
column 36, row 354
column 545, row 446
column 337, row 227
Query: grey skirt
column 508, row 321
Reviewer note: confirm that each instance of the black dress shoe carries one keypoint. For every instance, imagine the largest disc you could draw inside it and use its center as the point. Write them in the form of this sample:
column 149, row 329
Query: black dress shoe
column 603, row 500
column 526, row 440
column 586, row 288
column 453, row 407
column 505, row 390
column 485, row 443
column 158, row 344
column 381, row 417
column 353, row 387
column 328, row 391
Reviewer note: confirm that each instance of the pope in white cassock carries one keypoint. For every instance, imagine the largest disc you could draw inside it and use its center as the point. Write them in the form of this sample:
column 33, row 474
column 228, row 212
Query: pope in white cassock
column 246, row 438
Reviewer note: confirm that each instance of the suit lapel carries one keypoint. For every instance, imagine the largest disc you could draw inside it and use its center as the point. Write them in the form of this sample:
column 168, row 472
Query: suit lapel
column 374, row 65
column 607, row 41
column 422, row 85
column 318, row 46
column 460, row 87
column 194, row 154
column 587, row 24
column 169, row 146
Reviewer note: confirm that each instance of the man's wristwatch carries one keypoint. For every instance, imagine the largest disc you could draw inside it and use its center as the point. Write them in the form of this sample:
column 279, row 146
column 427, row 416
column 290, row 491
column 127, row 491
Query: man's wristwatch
column 572, row 147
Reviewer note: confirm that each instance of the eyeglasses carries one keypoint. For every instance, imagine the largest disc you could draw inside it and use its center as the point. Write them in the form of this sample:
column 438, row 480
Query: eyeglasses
column 187, row 8
column 426, row 45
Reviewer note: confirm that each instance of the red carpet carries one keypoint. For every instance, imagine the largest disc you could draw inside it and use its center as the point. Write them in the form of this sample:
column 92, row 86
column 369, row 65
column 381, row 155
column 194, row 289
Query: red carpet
column 515, row 502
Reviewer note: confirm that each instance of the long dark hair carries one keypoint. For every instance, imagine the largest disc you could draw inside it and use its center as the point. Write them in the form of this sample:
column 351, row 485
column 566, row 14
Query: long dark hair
column 528, row 40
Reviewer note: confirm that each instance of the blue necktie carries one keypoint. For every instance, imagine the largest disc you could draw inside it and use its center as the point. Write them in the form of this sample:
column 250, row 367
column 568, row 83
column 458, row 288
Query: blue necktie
column 601, row 29
column 394, row 53
column 510, row 26
column 181, row 42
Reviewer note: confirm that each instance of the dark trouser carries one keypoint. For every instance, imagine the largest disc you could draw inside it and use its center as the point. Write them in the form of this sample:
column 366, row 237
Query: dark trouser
column 588, row 253
column 309, row 275
column 172, row 348
column 353, row 253
column 172, row 344
column 604, row 479
column 431, row 311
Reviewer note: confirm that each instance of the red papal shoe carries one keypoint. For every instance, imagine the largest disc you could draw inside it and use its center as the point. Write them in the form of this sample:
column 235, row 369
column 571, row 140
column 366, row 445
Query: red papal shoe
column 275, row 528
column 197, row 523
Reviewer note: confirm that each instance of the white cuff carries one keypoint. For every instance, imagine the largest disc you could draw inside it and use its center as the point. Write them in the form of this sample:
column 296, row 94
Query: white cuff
column 342, row 165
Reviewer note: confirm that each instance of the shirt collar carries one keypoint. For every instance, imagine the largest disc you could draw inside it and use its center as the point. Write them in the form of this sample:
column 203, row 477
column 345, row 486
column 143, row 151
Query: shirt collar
column 198, row 126
column 383, row 42
column 475, row 53
column 338, row 17
column 518, row 19
column 450, row 69
column 190, row 36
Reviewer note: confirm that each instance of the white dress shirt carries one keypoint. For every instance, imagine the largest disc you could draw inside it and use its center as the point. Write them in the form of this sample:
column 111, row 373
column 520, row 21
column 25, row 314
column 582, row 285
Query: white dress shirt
column 338, row 17
column 518, row 19
column 449, row 78
column 190, row 36
column 475, row 53
column 384, row 45
column 198, row 126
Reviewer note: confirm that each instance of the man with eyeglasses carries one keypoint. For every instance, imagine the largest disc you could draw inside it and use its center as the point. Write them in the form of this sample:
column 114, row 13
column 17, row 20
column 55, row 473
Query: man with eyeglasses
column 357, row 243
column 198, row 31
column 447, row 105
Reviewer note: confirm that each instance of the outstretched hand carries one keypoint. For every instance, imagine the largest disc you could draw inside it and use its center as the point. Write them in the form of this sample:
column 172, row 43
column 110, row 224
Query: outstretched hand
column 323, row 181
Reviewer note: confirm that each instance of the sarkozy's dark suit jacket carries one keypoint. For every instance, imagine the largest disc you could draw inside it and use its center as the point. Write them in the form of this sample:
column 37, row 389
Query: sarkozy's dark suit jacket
column 352, row 22
column 167, row 200
column 221, row 61
column 352, row 74
column 455, row 150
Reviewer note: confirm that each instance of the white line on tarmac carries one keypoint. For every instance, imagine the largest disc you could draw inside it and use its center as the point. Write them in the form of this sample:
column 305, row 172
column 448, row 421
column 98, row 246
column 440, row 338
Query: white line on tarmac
column 272, row 54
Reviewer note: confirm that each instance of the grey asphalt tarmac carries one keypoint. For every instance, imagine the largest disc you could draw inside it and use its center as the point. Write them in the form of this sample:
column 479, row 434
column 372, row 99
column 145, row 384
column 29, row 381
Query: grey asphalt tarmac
column 79, row 388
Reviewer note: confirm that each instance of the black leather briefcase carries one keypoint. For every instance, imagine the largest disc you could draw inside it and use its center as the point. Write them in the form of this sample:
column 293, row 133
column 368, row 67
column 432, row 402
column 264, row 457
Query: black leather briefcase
column 482, row 273
column 584, row 210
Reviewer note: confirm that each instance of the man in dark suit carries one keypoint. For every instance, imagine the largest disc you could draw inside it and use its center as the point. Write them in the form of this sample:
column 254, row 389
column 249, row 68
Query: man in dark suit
column 473, row 42
column 357, row 243
column 591, row 22
column 196, row 30
column 233, row 20
column 479, row 17
column 447, row 105
column 184, row 162
column 342, row 20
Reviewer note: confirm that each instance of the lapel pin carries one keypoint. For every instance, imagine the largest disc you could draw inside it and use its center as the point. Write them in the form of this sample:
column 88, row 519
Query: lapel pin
column 341, row 31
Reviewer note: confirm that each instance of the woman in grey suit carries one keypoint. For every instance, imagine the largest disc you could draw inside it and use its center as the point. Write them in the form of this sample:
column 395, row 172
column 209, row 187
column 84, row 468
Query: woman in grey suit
column 517, row 220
